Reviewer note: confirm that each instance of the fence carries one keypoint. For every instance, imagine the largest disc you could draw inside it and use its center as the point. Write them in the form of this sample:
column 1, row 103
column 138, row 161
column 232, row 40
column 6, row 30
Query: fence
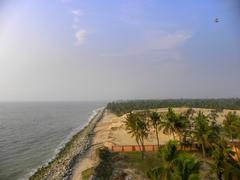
column 147, row 148
column 152, row 148
column 129, row 148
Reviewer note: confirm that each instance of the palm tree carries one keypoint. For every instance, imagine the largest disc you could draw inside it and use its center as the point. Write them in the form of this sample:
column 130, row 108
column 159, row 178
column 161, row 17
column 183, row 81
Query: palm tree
column 213, row 116
column 155, row 120
column 202, row 131
column 167, row 154
column 183, row 127
column 231, row 125
column 221, row 154
column 175, row 164
column 169, row 124
column 187, row 167
column 137, row 126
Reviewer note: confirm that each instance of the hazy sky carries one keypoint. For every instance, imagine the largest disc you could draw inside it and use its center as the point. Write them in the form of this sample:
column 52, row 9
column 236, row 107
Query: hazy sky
column 119, row 49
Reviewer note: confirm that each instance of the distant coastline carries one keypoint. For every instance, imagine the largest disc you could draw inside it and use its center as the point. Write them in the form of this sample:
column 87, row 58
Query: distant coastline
column 61, row 165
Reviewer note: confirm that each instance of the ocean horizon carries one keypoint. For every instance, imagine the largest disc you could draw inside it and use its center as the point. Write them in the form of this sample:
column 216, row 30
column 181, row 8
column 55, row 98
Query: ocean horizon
column 32, row 133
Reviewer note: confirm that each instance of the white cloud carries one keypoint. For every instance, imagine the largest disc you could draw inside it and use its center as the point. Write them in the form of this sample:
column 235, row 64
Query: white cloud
column 165, row 40
column 81, row 36
column 77, row 12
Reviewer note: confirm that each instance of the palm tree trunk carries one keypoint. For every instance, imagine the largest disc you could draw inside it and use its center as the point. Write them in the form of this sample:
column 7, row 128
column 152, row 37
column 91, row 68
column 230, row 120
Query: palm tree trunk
column 203, row 150
column 142, row 149
column 173, row 136
column 138, row 144
column 180, row 141
column 157, row 138
column 219, row 175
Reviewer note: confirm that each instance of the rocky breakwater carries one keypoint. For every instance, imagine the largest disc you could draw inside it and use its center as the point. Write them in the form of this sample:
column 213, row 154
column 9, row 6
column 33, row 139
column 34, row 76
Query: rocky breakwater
column 61, row 166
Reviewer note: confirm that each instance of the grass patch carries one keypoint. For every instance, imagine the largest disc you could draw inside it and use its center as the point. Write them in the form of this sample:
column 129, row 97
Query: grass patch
column 135, row 161
column 87, row 173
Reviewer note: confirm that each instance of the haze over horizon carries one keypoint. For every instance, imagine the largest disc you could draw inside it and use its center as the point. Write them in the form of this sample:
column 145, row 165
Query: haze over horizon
column 65, row 50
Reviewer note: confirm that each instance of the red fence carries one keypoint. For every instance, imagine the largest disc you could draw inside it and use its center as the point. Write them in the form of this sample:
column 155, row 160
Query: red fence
column 129, row 148
column 147, row 148
column 152, row 148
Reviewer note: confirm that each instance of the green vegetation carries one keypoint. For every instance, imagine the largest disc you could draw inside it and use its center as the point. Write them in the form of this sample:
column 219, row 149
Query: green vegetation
column 193, row 129
column 171, row 123
column 135, row 161
column 87, row 173
column 175, row 164
column 136, row 125
column 104, row 169
column 122, row 107
column 156, row 121
column 202, row 131
column 232, row 126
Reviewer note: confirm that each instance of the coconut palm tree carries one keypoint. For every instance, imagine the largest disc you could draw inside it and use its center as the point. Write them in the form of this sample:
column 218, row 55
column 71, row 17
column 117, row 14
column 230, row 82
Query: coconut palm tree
column 231, row 125
column 137, row 126
column 156, row 121
column 221, row 154
column 213, row 116
column 175, row 164
column 166, row 169
column 202, row 131
column 187, row 167
column 183, row 127
column 169, row 124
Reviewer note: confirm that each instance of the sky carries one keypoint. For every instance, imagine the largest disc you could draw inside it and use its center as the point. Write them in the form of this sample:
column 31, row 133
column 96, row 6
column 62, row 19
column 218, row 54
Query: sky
column 87, row 50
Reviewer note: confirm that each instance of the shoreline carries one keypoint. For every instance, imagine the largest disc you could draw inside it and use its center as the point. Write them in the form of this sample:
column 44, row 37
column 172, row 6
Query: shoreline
column 61, row 165
column 103, row 136
column 72, row 133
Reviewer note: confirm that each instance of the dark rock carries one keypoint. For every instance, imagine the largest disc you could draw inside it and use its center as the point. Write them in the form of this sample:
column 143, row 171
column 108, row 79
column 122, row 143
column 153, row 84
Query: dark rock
column 118, row 174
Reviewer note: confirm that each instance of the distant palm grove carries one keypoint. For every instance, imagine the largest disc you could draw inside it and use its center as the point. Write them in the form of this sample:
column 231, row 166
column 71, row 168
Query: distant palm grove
column 122, row 107
column 199, row 142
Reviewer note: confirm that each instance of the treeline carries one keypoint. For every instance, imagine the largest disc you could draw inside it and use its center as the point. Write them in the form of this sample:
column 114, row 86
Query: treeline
column 122, row 107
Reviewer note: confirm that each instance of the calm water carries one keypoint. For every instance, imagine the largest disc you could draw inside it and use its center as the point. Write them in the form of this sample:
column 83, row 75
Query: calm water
column 31, row 133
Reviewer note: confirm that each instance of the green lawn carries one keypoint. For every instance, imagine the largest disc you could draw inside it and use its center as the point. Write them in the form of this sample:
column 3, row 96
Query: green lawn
column 87, row 173
column 134, row 160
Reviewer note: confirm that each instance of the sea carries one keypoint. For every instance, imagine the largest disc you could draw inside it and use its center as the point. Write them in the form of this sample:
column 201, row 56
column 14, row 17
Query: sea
column 32, row 133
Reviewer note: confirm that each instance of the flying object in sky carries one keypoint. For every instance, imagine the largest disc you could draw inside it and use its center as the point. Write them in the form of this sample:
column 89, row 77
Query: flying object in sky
column 216, row 20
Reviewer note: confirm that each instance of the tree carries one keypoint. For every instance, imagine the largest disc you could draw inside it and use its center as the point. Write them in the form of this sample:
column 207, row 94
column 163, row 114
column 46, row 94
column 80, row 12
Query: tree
column 213, row 116
column 231, row 125
column 156, row 121
column 183, row 127
column 187, row 167
column 137, row 126
column 215, row 127
column 221, row 154
column 169, row 124
column 175, row 164
column 202, row 131
column 167, row 154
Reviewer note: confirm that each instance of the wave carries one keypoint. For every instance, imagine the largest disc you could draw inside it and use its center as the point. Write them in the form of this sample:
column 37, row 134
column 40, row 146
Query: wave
column 62, row 144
